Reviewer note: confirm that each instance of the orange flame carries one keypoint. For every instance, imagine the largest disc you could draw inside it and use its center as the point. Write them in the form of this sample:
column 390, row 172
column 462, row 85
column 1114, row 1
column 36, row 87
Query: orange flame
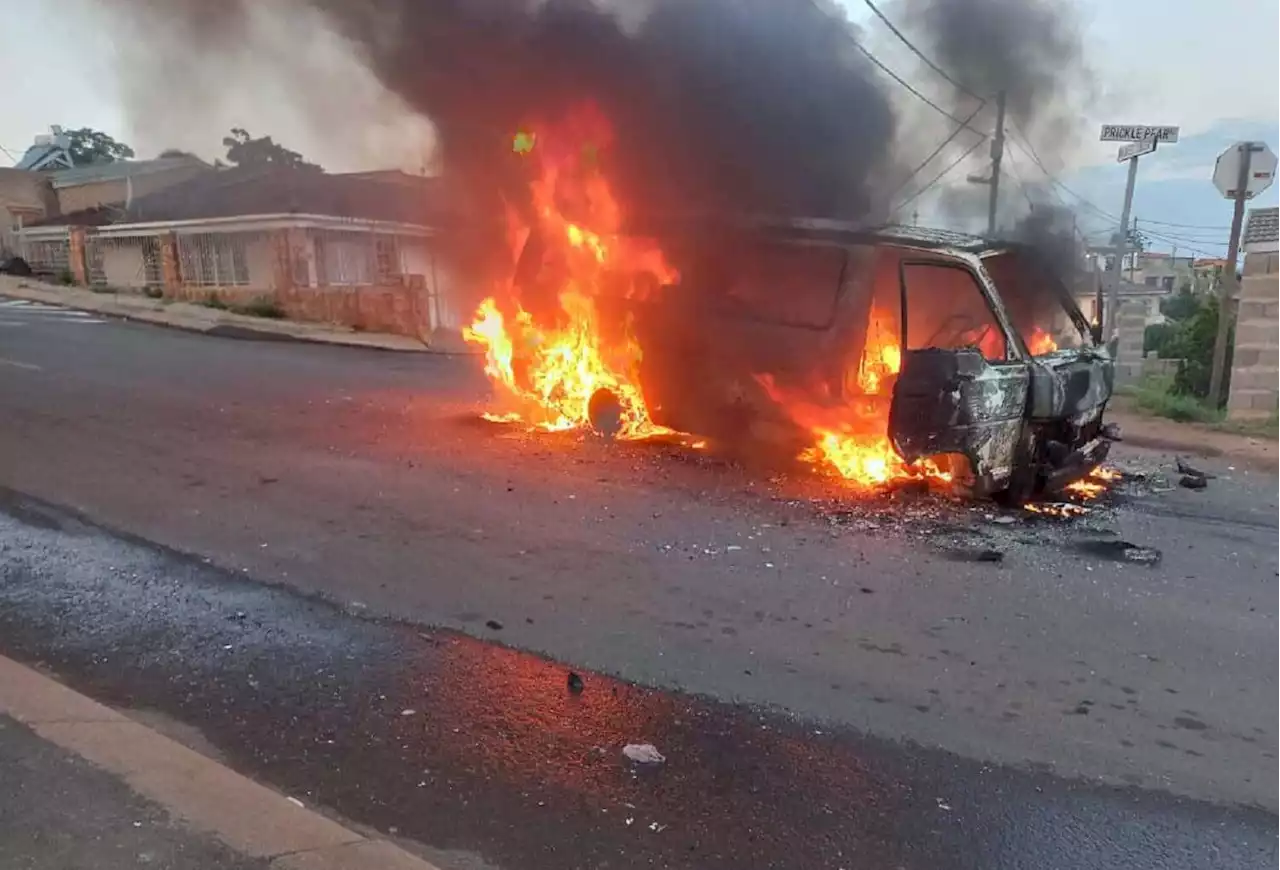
column 551, row 370
column 549, row 365
column 1041, row 342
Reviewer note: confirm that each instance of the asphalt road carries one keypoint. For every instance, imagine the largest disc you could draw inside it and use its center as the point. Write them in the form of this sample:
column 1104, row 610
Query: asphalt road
column 1066, row 688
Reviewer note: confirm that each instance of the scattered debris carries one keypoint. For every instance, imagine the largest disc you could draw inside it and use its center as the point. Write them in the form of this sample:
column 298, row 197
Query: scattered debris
column 408, row 712
column 1003, row 520
column 1193, row 481
column 494, row 625
column 1121, row 551
column 643, row 753
column 575, row 683
column 294, row 801
column 1185, row 467
column 973, row 554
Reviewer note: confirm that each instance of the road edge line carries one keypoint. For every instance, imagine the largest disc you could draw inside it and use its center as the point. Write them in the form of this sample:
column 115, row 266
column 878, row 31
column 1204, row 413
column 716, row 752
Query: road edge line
column 247, row 816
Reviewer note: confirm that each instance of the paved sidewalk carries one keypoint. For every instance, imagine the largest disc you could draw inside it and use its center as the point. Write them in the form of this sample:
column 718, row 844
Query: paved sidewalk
column 214, row 321
column 87, row 788
column 58, row 812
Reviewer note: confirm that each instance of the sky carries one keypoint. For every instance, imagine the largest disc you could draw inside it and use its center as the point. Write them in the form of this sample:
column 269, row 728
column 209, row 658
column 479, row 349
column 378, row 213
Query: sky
column 1209, row 66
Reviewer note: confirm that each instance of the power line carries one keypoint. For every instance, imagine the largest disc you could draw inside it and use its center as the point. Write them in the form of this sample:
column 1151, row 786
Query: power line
column 945, row 142
column 918, row 53
column 1021, row 187
column 950, row 166
column 1027, row 148
column 1181, row 244
column 1225, row 228
column 921, row 97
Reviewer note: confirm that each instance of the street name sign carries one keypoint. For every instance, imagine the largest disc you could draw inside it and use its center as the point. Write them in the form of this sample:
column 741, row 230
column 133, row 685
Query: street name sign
column 1137, row 132
column 1135, row 149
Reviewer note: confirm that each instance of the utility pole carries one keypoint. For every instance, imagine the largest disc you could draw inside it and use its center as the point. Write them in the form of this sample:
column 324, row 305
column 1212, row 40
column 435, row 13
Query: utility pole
column 997, row 154
column 1133, row 258
column 1227, row 293
column 1122, row 246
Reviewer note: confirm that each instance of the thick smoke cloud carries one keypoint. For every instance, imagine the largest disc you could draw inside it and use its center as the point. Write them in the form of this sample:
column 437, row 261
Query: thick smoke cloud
column 1033, row 51
column 746, row 106
column 729, row 105
column 1030, row 49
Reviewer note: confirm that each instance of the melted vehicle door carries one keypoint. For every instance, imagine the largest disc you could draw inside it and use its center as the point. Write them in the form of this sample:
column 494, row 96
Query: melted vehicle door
column 962, row 388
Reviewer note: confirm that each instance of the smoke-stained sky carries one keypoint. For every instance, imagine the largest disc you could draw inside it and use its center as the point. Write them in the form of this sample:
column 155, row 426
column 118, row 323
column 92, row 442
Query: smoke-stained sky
column 741, row 105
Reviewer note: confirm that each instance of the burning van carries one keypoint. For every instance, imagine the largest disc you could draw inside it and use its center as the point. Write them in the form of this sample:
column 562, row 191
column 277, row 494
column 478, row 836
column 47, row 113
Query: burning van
column 881, row 355
column 878, row 355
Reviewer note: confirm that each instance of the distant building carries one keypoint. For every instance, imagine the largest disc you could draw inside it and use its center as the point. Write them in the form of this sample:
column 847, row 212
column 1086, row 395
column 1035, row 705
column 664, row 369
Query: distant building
column 121, row 181
column 25, row 198
column 1163, row 271
column 51, row 150
column 1206, row 273
column 1146, row 296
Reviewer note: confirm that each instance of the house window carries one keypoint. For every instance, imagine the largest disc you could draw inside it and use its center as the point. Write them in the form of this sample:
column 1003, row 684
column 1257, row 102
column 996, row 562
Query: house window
column 1150, row 282
column 344, row 258
column 213, row 259
column 1167, row 283
column 387, row 255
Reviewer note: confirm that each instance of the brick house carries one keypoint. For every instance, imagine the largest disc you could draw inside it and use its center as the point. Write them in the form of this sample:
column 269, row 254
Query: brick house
column 1255, row 367
column 362, row 250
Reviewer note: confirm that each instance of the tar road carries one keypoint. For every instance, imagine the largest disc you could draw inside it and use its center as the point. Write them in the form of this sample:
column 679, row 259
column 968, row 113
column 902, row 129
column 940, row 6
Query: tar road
column 319, row 563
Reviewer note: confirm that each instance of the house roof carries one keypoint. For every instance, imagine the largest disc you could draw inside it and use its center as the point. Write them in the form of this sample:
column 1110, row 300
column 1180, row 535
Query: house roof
column 242, row 192
column 120, row 169
column 1263, row 226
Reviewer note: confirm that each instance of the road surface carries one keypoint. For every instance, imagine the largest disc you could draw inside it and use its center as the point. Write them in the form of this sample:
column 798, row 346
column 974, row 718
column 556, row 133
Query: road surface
column 288, row 547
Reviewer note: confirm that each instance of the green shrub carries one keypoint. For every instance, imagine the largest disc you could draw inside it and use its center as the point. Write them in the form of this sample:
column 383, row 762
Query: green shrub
column 1162, row 399
column 213, row 300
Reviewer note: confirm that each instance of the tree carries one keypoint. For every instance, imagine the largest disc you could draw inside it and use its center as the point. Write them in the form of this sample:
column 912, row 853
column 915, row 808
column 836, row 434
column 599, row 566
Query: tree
column 1182, row 305
column 244, row 150
column 88, row 146
column 1187, row 336
column 175, row 152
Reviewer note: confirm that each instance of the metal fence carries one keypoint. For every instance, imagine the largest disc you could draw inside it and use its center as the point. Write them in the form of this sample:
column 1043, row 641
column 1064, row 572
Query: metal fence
column 47, row 253
column 132, row 261
column 218, row 259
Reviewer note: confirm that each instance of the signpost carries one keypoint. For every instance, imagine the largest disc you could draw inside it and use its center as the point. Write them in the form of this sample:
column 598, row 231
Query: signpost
column 1242, row 172
column 1142, row 139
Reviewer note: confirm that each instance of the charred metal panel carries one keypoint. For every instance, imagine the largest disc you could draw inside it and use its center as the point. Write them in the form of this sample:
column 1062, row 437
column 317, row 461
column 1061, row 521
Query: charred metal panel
column 955, row 402
column 1067, row 386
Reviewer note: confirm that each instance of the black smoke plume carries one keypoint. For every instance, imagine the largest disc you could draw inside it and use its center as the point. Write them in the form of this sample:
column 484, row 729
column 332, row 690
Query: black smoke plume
column 746, row 106
column 1032, row 50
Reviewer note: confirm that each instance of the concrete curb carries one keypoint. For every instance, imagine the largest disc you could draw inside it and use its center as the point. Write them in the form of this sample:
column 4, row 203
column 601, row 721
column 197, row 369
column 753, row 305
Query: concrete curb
column 222, row 324
column 248, row 817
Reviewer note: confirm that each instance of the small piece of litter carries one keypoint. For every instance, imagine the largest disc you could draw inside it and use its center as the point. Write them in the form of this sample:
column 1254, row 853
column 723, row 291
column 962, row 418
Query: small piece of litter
column 294, row 801
column 643, row 753
column 408, row 712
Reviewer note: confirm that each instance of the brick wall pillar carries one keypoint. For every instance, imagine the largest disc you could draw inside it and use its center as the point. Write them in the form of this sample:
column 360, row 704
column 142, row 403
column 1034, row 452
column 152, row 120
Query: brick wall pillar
column 170, row 271
column 1255, row 366
column 282, row 261
column 78, row 256
column 1131, row 327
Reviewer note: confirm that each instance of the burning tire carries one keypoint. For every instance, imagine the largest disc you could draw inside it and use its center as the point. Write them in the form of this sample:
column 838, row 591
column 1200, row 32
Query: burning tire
column 604, row 409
